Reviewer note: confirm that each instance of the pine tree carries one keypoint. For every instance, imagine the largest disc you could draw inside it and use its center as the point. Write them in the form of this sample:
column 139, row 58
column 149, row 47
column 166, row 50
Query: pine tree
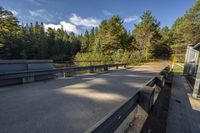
column 110, row 35
column 186, row 29
column 85, row 42
column 146, row 34
column 9, row 33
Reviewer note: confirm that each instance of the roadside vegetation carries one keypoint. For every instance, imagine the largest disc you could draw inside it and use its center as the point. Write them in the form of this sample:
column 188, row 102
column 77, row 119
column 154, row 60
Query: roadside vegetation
column 110, row 42
column 178, row 69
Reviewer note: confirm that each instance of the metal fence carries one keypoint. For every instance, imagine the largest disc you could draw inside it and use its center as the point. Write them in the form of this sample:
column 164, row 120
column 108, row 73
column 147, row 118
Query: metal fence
column 191, row 61
column 144, row 97
column 192, row 68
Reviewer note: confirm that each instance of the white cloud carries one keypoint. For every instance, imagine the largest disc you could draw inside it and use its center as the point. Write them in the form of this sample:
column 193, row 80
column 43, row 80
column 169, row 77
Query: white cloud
column 40, row 13
column 132, row 19
column 53, row 26
column 69, row 27
column 66, row 26
column 87, row 22
column 14, row 12
column 107, row 13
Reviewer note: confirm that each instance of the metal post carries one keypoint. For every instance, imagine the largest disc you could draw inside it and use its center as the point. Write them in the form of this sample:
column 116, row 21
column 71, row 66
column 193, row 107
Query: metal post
column 185, row 71
column 196, row 63
column 67, row 74
column 197, row 83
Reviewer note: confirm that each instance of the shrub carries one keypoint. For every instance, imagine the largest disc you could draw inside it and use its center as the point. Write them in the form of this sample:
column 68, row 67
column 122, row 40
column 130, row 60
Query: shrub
column 88, row 59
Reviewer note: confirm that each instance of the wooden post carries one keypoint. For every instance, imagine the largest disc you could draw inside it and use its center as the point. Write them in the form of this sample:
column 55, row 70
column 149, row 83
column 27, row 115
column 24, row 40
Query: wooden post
column 117, row 67
column 105, row 68
column 92, row 69
column 68, row 74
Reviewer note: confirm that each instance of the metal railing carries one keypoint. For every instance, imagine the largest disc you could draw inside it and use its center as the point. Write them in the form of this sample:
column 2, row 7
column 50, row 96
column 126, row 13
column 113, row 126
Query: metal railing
column 143, row 97
column 21, row 74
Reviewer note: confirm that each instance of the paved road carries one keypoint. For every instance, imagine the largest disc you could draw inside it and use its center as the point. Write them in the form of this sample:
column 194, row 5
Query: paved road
column 69, row 105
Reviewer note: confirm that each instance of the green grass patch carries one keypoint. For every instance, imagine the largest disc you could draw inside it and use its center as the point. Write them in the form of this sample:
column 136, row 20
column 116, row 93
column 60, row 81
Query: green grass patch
column 177, row 69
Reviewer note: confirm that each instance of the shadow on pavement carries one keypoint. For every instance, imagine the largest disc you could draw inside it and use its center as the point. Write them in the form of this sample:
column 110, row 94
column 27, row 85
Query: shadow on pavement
column 67, row 104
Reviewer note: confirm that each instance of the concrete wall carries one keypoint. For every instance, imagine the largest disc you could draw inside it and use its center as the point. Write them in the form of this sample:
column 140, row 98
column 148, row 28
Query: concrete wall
column 24, row 65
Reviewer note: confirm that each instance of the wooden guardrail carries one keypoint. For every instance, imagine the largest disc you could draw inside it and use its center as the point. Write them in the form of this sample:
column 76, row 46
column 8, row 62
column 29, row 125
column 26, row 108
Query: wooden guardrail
column 144, row 97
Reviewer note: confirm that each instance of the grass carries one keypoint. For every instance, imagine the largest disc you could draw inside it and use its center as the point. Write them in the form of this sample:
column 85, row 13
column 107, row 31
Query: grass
column 177, row 69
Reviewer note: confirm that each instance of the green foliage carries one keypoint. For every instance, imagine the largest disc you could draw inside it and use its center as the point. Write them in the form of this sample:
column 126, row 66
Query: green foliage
column 163, row 49
column 109, row 43
column 167, row 36
column 111, row 36
column 128, row 57
column 88, row 59
column 186, row 29
column 33, row 42
column 146, row 35
column 120, row 56
column 9, row 34
column 177, row 69
column 85, row 42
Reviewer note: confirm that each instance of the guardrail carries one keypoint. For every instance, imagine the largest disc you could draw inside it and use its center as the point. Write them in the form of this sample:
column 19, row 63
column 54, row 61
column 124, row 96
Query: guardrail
column 34, row 75
column 144, row 97
column 80, row 61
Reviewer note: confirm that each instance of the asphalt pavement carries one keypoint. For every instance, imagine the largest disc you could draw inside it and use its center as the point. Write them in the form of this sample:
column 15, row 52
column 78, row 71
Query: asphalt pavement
column 69, row 105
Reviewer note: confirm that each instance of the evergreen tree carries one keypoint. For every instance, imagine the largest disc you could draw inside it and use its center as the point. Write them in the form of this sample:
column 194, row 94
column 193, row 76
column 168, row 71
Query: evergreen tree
column 186, row 29
column 9, row 33
column 110, row 35
column 92, row 39
column 146, row 34
column 85, row 42
column 33, row 42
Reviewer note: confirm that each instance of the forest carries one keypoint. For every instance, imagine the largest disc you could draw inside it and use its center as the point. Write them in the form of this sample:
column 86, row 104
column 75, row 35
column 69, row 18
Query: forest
column 110, row 41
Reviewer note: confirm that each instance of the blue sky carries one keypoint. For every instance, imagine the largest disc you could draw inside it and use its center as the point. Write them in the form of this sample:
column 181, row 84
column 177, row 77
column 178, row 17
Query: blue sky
column 79, row 15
